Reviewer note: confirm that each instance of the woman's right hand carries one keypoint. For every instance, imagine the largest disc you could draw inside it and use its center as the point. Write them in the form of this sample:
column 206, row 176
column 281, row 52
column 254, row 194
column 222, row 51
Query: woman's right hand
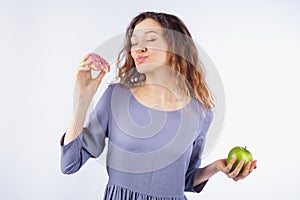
column 85, row 85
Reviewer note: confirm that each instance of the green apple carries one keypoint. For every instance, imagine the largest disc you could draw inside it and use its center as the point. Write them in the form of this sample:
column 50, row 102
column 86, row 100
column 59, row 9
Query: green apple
column 240, row 153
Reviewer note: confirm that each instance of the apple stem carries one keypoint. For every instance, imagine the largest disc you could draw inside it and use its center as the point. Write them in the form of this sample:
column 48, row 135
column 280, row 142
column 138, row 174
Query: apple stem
column 245, row 147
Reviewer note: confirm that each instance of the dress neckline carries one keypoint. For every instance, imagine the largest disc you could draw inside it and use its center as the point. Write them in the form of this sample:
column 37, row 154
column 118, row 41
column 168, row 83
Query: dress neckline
column 159, row 110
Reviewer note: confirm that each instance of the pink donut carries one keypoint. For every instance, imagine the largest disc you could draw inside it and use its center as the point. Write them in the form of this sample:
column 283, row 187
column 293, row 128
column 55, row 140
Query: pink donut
column 98, row 63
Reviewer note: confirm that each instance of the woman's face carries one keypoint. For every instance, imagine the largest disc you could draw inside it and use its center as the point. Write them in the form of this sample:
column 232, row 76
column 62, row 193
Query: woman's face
column 149, row 48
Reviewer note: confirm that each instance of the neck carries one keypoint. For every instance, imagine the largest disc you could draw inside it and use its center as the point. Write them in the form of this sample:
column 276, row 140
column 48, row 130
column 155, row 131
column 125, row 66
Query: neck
column 162, row 75
column 160, row 92
column 159, row 83
column 159, row 96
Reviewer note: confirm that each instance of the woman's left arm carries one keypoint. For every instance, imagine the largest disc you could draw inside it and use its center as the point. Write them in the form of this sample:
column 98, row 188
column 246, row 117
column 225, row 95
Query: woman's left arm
column 203, row 174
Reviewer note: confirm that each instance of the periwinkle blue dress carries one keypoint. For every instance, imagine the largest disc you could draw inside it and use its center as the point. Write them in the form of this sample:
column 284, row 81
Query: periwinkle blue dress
column 151, row 154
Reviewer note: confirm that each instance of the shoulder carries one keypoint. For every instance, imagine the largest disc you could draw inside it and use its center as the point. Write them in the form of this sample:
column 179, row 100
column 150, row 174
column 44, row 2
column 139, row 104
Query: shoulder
column 106, row 96
column 109, row 90
column 206, row 114
column 116, row 86
column 113, row 93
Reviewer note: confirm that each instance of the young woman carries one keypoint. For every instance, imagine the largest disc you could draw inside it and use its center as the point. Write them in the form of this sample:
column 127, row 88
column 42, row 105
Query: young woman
column 155, row 117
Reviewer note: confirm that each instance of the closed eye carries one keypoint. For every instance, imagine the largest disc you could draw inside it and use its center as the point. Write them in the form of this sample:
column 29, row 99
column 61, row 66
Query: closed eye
column 151, row 40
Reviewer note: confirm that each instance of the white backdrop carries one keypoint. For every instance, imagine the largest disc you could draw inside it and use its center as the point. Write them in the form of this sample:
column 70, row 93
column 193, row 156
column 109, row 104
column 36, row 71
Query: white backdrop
column 255, row 47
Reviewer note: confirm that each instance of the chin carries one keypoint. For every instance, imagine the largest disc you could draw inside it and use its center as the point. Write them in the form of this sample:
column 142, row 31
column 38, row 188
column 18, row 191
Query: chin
column 147, row 68
column 144, row 68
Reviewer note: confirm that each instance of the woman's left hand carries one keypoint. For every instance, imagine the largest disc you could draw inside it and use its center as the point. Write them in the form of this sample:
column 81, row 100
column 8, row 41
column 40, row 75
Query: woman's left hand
column 236, row 174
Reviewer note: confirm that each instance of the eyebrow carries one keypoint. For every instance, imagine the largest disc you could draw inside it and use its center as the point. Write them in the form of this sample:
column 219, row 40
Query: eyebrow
column 147, row 32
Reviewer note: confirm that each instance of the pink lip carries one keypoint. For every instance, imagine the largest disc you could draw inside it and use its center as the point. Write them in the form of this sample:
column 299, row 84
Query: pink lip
column 141, row 58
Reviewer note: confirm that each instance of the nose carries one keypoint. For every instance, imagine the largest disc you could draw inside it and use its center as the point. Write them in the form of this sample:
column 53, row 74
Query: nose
column 141, row 48
column 144, row 49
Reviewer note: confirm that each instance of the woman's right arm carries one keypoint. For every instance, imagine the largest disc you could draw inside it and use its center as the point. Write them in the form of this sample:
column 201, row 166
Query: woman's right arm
column 74, row 151
column 85, row 88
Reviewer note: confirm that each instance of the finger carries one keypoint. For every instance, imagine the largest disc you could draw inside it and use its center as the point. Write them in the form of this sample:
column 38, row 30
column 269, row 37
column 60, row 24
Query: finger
column 100, row 77
column 231, row 162
column 253, row 166
column 85, row 63
column 230, row 165
column 85, row 57
column 246, row 170
column 237, row 170
column 83, row 68
column 83, row 72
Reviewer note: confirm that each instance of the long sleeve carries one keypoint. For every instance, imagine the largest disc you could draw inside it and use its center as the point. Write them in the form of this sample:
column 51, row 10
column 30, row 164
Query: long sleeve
column 91, row 141
column 195, row 160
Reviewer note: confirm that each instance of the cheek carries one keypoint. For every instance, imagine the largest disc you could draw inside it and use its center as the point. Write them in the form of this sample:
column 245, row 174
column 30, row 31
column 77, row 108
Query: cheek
column 161, row 52
column 133, row 54
column 161, row 56
column 159, row 46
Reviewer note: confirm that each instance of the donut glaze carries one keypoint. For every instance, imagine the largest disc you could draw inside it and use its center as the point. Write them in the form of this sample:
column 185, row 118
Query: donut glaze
column 98, row 63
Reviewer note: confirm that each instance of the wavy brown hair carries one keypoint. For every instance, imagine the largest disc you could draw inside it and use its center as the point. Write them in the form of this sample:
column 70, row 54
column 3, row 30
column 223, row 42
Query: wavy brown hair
column 183, row 57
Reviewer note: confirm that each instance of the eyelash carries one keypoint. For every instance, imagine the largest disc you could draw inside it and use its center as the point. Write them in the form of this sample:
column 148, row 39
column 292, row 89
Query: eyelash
column 151, row 40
